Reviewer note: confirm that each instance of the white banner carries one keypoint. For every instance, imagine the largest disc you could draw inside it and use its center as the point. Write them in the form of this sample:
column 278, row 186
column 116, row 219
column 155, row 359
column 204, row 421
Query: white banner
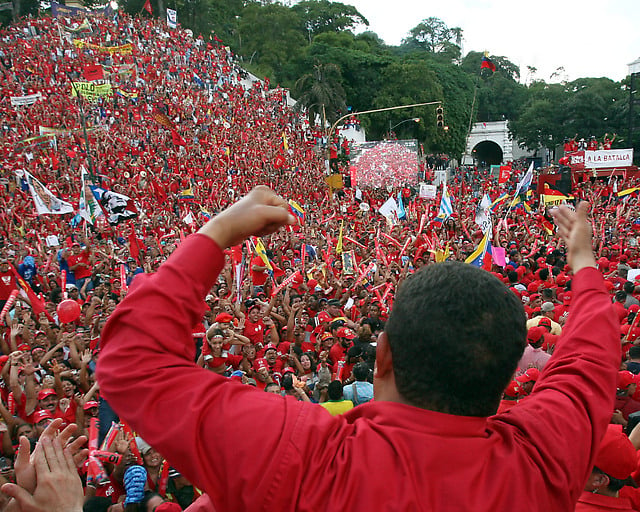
column 608, row 158
column 427, row 191
column 172, row 18
column 389, row 208
column 19, row 101
column 45, row 201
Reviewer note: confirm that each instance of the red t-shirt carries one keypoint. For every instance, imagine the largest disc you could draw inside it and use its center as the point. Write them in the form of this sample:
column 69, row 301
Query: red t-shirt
column 253, row 331
column 83, row 270
column 7, row 284
column 258, row 278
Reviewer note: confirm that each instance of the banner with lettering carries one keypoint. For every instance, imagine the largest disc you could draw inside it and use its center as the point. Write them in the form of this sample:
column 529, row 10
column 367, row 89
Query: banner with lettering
column 30, row 99
column 601, row 159
column 91, row 90
column 124, row 49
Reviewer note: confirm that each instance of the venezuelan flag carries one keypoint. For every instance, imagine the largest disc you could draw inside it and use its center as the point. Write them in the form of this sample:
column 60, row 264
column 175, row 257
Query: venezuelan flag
column 186, row 195
column 296, row 209
column 481, row 257
column 262, row 252
column 498, row 201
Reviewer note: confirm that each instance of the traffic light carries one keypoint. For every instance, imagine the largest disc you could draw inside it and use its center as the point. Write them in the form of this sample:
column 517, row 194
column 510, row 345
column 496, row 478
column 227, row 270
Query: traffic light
column 440, row 117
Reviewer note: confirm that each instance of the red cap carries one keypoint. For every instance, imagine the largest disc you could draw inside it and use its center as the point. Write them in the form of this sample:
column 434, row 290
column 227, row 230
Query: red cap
column 325, row 336
column 260, row 363
column 24, row 347
column 223, row 318
column 625, row 379
column 345, row 332
column 90, row 405
column 512, row 389
column 167, row 506
column 270, row 346
column 566, row 298
column 323, row 316
column 544, row 322
column 531, row 374
column 616, row 455
column 535, row 333
column 633, row 308
column 45, row 393
column 311, row 284
column 42, row 414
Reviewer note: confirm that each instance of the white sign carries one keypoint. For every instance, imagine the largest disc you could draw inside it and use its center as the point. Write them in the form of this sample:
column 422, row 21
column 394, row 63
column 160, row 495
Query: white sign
column 18, row 101
column 52, row 241
column 389, row 208
column 608, row 158
column 172, row 18
column 632, row 274
column 427, row 191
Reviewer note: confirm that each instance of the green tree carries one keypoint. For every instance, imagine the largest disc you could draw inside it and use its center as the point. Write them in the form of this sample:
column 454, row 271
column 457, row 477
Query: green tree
column 432, row 35
column 271, row 35
column 321, row 93
column 321, row 16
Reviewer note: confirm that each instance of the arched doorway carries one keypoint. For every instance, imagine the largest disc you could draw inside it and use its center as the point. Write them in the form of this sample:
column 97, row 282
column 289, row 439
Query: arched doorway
column 487, row 153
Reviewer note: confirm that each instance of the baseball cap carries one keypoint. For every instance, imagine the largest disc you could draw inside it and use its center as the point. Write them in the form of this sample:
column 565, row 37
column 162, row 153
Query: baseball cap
column 40, row 415
column 45, row 393
column 616, row 456
column 270, row 346
column 224, row 318
column 547, row 306
column 625, row 379
column 544, row 322
column 344, row 332
column 323, row 316
column 334, row 302
column 535, row 333
column 90, row 405
column 260, row 363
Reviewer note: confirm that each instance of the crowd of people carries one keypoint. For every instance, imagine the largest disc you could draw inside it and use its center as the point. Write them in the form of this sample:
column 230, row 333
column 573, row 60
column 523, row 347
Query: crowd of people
column 184, row 134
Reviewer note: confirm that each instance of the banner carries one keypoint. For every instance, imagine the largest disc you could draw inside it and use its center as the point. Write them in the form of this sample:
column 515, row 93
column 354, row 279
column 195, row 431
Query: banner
column 116, row 207
column 19, row 101
column 88, row 207
column 91, row 91
column 427, row 191
column 601, row 159
column 66, row 10
column 45, row 201
column 172, row 18
column 124, row 49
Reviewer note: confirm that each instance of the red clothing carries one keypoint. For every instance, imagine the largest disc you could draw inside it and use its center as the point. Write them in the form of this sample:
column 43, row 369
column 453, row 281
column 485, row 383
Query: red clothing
column 589, row 502
column 545, row 458
column 7, row 284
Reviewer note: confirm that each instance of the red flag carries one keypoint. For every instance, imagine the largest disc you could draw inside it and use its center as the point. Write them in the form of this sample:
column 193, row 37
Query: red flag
column 37, row 304
column 177, row 140
column 147, row 7
column 279, row 161
column 134, row 245
column 93, row 72
column 505, row 174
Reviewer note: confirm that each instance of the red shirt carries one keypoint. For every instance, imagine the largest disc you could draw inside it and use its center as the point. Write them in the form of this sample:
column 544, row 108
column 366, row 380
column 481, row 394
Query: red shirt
column 385, row 441
column 7, row 284
column 83, row 270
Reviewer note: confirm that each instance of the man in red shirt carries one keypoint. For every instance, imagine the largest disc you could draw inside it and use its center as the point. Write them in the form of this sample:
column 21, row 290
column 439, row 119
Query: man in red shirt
column 7, row 281
column 81, row 266
column 433, row 413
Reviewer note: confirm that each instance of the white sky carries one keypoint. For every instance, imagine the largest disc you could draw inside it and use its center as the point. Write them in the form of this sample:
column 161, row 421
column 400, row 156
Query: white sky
column 589, row 38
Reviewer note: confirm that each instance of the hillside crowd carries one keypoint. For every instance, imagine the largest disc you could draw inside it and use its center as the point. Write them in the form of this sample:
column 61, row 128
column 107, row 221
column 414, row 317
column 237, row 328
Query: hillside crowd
column 184, row 133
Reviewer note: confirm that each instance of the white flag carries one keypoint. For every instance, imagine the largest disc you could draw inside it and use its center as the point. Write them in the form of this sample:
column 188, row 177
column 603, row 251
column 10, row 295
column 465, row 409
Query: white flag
column 172, row 18
column 45, row 201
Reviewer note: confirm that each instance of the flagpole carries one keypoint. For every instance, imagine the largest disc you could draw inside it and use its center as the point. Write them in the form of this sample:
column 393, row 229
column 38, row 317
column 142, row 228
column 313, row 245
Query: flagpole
column 84, row 128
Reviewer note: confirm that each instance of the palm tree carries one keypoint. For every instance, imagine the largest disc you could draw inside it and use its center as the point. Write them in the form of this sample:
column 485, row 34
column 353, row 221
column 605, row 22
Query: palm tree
column 321, row 93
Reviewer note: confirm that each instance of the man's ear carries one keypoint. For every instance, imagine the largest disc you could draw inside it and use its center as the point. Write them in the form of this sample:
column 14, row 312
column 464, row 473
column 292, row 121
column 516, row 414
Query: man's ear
column 384, row 361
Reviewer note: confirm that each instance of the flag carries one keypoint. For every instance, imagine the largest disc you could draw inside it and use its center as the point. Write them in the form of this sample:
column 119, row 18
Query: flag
column 93, row 72
column 189, row 219
column 172, row 18
column 525, row 182
column 116, row 207
column 147, row 7
column 487, row 63
column 505, row 174
column 176, row 139
column 481, row 257
column 296, row 209
column 206, row 215
column 261, row 251
column 162, row 119
column 186, row 195
column 548, row 226
column 443, row 254
column 37, row 304
column 402, row 214
column 627, row 191
column 551, row 195
column 45, row 202
column 498, row 201
column 483, row 215
column 285, row 144
column 134, row 245
column 88, row 207
column 198, row 80
column 446, row 208
column 339, row 245
column 520, row 201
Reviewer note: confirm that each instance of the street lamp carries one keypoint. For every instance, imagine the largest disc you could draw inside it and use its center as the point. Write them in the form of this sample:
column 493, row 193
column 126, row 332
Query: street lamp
column 414, row 119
